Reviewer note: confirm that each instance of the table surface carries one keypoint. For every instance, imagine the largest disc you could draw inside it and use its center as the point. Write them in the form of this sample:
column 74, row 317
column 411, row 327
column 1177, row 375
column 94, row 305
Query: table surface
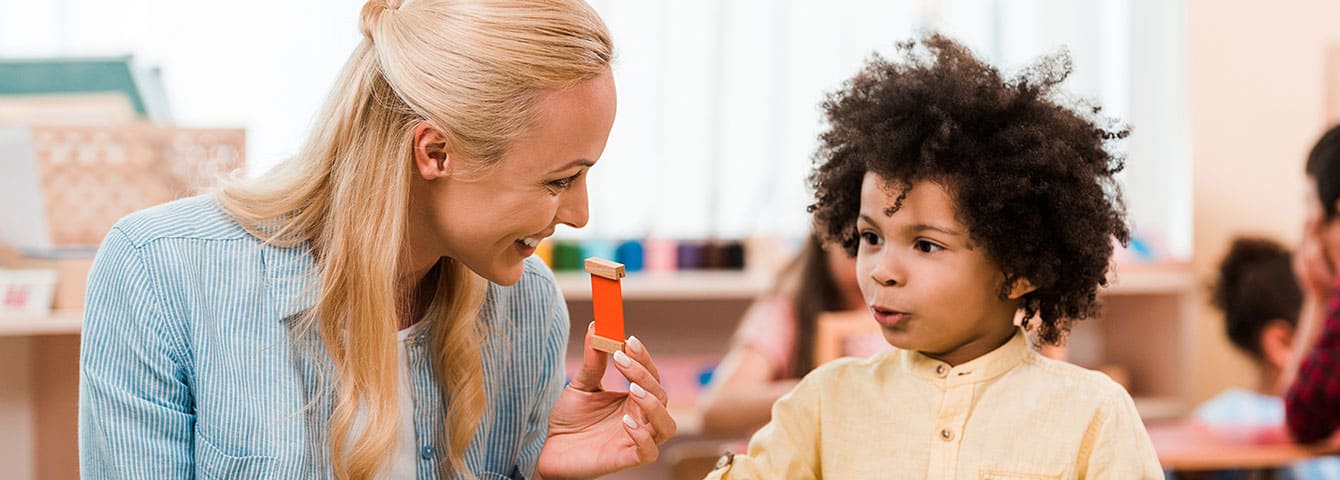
column 1193, row 446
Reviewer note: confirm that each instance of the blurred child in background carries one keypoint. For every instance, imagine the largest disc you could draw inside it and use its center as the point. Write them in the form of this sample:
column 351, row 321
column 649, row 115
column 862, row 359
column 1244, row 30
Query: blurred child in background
column 1260, row 299
column 774, row 344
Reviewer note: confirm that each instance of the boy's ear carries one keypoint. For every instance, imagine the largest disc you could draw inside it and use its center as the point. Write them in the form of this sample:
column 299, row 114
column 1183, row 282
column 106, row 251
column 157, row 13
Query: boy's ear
column 431, row 157
column 1277, row 342
column 1020, row 288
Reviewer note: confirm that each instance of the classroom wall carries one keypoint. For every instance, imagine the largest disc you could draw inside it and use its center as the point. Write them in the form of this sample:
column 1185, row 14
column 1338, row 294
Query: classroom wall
column 1257, row 90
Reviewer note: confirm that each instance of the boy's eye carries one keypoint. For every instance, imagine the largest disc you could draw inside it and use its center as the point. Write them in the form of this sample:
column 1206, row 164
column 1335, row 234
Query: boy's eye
column 927, row 247
column 869, row 238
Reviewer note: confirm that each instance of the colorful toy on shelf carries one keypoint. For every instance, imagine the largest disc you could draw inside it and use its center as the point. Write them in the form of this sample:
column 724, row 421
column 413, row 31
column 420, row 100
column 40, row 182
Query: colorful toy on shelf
column 607, row 298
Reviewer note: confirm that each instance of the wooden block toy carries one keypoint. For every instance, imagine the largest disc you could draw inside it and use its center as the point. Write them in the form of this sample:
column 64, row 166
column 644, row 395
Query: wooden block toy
column 607, row 298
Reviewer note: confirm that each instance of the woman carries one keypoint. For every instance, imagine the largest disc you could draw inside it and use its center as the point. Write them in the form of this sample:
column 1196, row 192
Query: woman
column 370, row 308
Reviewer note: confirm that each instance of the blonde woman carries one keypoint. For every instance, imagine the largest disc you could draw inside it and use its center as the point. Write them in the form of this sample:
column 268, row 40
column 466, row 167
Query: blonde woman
column 370, row 308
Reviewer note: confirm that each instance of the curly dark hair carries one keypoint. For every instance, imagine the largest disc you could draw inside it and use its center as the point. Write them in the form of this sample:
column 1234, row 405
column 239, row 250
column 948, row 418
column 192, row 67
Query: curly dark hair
column 1032, row 179
column 1323, row 165
column 1255, row 286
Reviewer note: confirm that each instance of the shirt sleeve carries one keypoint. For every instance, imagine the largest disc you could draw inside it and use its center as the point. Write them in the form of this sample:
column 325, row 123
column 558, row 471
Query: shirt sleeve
column 788, row 446
column 136, row 414
column 1312, row 405
column 1116, row 445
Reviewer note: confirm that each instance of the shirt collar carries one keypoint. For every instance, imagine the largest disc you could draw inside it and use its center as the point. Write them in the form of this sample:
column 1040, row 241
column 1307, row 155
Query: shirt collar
column 291, row 275
column 985, row 367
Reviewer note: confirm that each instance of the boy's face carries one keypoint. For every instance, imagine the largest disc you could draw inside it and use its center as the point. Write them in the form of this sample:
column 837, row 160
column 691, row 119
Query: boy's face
column 928, row 285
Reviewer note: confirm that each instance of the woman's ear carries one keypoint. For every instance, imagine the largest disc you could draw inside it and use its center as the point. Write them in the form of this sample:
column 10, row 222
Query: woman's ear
column 1020, row 288
column 431, row 156
column 1277, row 342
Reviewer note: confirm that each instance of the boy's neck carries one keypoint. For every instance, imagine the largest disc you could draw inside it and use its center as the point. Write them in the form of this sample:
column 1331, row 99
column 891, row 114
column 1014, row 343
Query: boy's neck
column 975, row 348
column 1269, row 380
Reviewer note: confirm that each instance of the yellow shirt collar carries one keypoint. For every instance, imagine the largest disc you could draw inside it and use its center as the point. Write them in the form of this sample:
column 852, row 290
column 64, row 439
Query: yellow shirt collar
column 985, row 367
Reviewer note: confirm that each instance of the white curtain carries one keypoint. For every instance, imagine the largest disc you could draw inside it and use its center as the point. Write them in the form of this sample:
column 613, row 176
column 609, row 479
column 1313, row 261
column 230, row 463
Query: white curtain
column 718, row 99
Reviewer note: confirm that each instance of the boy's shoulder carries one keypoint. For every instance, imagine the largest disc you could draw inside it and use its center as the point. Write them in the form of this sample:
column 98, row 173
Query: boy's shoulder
column 1064, row 376
column 847, row 368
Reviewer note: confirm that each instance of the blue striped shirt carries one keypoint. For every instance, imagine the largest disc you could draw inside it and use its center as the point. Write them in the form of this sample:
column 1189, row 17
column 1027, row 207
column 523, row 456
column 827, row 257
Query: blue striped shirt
column 191, row 363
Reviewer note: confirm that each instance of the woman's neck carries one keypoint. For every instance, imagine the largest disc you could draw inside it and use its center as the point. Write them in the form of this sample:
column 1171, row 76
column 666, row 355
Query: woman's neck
column 416, row 293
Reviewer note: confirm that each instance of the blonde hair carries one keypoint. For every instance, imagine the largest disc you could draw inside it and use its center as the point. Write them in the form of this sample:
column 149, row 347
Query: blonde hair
column 474, row 69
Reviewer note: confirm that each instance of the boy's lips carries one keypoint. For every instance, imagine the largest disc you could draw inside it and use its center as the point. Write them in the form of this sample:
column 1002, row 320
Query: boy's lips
column 888, row 317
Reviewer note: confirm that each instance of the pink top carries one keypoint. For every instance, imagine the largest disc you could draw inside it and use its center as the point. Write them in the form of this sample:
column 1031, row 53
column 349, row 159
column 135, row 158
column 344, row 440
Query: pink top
column 769, row 327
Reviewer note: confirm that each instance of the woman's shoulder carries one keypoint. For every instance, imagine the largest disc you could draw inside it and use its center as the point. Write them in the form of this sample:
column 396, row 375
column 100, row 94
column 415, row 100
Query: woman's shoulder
column 197, row 217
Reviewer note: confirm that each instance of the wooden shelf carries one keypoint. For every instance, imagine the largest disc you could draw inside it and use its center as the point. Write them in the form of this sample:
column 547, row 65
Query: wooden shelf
column 1150, row 279
column 60, row 322
column 1156, row 409
column 685, row 285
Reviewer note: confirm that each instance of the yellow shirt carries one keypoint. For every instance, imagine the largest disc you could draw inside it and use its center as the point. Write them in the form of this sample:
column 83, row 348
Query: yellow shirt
column 1009, row 414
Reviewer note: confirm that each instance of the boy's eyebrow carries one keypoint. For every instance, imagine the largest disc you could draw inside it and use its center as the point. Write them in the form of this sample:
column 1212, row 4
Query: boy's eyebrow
column 920, row 227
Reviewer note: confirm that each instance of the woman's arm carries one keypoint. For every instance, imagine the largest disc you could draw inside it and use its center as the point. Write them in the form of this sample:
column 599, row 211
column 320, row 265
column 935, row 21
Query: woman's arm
column 136, row 418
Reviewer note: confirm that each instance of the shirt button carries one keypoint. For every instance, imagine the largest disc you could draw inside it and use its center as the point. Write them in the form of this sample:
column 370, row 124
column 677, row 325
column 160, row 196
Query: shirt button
column 940, row 370
column 725, row 460
column 427, row 453
column 946, row 435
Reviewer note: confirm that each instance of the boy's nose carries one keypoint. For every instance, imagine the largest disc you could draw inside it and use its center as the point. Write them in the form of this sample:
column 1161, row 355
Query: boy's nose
column 883, row 275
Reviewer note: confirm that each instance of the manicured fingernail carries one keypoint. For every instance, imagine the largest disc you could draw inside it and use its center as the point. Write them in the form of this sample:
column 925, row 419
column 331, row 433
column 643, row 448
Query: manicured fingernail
column 622, row 359
column 637, row 390
column 634, row 344
column 590, row 326
column 627, row 420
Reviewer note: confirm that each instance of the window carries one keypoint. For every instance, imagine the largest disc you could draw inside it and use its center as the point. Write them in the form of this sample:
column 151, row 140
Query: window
column 719, row 99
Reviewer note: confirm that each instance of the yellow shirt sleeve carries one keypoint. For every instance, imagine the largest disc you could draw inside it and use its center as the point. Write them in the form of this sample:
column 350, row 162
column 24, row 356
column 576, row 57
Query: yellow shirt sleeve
column 788, row 446
column 1117, row 446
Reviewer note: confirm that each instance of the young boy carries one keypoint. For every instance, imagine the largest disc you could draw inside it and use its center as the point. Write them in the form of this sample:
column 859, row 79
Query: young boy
column 965, row 198
column 1261, row 300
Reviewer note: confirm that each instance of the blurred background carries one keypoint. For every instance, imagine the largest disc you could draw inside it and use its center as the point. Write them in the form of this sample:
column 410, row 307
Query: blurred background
column 110, row 106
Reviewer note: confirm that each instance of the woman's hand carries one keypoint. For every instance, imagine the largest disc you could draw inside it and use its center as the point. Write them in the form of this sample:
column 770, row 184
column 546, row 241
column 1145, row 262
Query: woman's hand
column 594, row 432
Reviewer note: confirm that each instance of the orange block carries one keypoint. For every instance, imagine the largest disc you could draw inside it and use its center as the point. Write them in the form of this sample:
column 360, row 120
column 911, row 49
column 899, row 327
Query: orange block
column 607, row 300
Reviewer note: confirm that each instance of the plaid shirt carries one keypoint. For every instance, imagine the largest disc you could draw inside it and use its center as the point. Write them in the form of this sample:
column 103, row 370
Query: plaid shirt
column 1313, row 403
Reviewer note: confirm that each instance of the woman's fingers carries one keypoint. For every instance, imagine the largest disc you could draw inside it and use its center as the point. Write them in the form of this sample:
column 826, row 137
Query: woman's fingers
column 634, row 348
column 638, row 373
column 653, row 412
column 646, row 446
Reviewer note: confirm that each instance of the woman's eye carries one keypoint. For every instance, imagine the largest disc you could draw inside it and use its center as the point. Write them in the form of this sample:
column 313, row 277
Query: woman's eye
column 564, row 183
column 927, row 247
column 870, row 238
